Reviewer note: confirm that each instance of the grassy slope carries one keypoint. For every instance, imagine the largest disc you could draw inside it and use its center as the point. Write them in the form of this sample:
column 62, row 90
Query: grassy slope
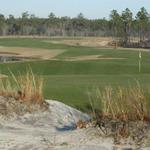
column 70, row 81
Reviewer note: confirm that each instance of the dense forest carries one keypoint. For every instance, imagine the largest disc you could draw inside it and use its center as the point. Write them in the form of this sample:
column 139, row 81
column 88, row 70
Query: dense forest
column 121, row 26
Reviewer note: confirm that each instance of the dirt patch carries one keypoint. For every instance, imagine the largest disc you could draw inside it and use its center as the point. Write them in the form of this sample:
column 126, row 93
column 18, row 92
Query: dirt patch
column 91, row 42
column 10, row 107
column 29, row 52
column 92, row 57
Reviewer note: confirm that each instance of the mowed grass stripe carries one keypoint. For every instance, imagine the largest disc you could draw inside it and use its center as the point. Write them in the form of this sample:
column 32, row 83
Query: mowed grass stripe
column 77, row 67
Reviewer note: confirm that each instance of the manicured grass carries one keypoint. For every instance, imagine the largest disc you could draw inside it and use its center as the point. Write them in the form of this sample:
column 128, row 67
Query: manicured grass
column 73, row 89
column 70, row 85
column 25, row 42
column 69, row 81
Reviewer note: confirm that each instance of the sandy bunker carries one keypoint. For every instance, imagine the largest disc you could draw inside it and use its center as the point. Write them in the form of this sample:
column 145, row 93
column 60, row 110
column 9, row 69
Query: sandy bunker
column 91, row 57
column 16, row 53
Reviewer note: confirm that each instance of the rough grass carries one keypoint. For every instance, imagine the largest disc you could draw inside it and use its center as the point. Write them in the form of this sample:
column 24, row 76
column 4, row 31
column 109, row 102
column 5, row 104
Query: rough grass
column 125, row 104
column 27, row 88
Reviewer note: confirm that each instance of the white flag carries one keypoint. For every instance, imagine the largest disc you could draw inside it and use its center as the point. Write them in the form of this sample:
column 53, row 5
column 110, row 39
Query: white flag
column 140, row 56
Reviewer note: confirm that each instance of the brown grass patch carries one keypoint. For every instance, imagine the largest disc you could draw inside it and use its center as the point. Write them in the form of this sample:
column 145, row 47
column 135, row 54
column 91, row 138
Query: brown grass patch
column 122, row 113
column 29, row 52
column 27, row 88
column 125, row 104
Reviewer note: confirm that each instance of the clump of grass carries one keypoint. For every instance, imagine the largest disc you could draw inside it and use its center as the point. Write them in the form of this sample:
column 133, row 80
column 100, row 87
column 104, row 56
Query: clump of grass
column 124, row 103
column 27, row 87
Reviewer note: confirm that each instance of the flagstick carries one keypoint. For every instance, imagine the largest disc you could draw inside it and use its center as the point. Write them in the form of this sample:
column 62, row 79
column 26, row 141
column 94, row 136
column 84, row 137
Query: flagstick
column 140, row 56
column 139, row 66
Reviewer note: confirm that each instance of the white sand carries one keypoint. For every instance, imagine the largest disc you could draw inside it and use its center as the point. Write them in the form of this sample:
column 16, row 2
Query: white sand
column 51, row 130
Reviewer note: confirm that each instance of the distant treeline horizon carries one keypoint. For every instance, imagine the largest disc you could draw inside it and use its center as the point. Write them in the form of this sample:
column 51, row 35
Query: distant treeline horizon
column 119, row 25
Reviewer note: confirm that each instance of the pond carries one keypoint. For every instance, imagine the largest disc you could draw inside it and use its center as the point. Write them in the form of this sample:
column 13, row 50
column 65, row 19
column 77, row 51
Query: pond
column 13, row 58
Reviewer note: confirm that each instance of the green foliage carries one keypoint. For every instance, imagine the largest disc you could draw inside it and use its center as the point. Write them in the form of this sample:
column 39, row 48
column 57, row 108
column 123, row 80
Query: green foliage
column 122, row 25
column 142, row 18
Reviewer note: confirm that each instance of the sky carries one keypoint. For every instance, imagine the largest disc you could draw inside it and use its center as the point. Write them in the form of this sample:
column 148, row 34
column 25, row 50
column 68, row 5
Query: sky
column 90, row 8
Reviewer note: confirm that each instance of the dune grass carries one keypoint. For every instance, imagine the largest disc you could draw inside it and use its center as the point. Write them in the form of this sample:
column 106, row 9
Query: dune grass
column 126, row 104
column 27, row 88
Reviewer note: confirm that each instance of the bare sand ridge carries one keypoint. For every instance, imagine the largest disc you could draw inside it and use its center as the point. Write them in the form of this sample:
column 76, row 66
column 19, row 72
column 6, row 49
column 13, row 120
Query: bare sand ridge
column 86, row 41
column 52, row 129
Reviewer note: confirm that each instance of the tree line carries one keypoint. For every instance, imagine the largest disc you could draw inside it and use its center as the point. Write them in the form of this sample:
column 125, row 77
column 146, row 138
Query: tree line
column 131, row 30
column 53, row 26
column 121, row 26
